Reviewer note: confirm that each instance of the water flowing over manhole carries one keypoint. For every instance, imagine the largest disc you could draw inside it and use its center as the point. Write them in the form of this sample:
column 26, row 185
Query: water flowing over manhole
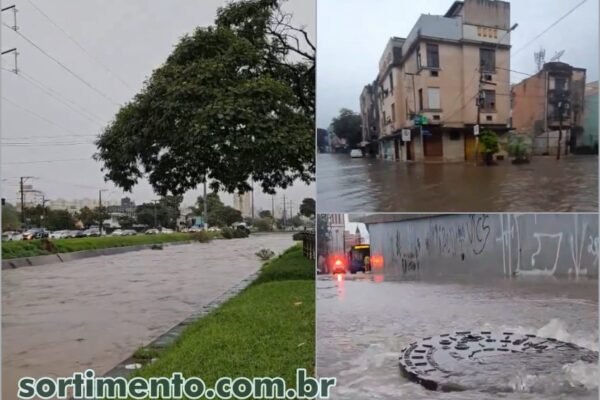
column 484, row 359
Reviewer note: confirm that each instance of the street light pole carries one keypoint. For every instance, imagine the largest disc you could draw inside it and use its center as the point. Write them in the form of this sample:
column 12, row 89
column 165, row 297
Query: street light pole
column 205, row 210
column 100, row 213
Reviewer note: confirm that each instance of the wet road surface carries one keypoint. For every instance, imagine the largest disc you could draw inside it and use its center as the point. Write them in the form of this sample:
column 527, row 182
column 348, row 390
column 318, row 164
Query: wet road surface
column 63, row 318
column 368, row 185
column 364, row 321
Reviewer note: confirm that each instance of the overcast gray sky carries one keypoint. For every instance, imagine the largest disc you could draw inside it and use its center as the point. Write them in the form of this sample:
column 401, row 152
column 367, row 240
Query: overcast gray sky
column 353, row 34
column 131, row 38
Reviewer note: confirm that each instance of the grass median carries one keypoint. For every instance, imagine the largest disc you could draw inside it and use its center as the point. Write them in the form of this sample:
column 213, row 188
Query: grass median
column 266, row 330
column 31, row 248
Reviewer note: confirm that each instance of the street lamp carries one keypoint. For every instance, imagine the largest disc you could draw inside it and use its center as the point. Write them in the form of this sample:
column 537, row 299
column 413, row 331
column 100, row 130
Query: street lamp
column 100, row 213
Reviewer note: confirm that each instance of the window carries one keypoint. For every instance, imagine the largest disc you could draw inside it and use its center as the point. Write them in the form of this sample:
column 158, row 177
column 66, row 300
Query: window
column 384, row 119
column 433, row 73
column 436, row 117
column 391, row 83
column 433, row 98
column 433, row 56
column 393, row 113
column 420, row 99
column 454, row 135
column 419, row 57
column 489, row 100
column 488, row 118
column 487, row 60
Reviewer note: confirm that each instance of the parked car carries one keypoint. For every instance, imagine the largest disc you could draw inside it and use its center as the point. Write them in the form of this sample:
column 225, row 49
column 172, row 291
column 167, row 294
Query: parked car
column 129, row 232
column 78, row 234
column 117, row 232
column 11, row 235
column 243, row 228
column 356, row 153
column 92, row 232
column 59, row 234
column 36, row 233
column 152, row 231
column 195, row 229
column 166, row 230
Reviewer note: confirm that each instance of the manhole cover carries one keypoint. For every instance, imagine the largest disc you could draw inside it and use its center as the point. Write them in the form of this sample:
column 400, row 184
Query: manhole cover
column 441, row 362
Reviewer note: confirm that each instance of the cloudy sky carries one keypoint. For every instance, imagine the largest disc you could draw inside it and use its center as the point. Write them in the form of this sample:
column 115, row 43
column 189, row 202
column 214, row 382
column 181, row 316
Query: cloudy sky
column 122, row 41
column 352, row 37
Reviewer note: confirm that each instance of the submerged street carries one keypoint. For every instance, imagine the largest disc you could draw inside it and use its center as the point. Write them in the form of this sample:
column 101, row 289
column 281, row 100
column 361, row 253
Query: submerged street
column 364, row 321
column 345, row 184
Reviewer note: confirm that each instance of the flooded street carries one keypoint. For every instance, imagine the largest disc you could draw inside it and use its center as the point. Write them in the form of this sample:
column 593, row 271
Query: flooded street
column 364, row 321
column 363, row 185
column 93, row 313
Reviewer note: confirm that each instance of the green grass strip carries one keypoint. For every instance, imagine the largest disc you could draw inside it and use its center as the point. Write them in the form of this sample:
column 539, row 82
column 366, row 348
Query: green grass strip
column 31, row 248
column 267, row 330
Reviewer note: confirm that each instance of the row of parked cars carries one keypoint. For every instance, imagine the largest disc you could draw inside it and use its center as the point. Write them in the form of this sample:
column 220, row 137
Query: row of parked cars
column 41, row 233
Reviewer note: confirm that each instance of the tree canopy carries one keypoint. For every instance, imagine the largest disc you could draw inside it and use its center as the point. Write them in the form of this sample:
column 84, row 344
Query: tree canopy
column 233, row 103
column 218, row 213
column 307, row 207
column 347, row 125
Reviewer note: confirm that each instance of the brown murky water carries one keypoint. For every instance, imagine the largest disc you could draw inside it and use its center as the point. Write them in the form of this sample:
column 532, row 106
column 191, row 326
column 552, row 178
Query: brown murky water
column 63, row 318
column 361, row 185
column 364, row 320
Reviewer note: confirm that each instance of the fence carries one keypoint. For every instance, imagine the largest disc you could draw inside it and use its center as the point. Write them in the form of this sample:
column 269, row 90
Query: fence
column 308, row 243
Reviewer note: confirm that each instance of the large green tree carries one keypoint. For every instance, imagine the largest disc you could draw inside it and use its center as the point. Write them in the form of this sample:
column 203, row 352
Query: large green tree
column 347, row 125
column 10, row 218
column 59, row 220
column 307, row 207
column 233, row 103
column 218, row 213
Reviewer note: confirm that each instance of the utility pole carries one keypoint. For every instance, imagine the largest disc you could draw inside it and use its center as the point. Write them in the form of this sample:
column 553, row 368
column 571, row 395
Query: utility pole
column 205, row 210
column 284, row 212
column 100, row 213
column 22, row 192
column 14, row 28
column 155, row 223
column 562, row 105
column 252, row 202
column 273, row 207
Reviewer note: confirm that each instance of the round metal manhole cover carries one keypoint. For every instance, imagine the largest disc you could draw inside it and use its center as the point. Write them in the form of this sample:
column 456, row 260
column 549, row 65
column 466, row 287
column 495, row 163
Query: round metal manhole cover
column 483, row 359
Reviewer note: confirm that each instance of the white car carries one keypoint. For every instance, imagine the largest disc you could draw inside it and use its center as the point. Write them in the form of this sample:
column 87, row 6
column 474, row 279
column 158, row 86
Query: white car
column 356, row 153
column 8, row 236
column 117, row 232
column 59, row 234
column 166, row 230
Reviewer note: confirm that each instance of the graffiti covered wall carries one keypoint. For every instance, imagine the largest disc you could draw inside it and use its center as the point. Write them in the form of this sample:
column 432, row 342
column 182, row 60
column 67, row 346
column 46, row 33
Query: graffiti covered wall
column 496, row 244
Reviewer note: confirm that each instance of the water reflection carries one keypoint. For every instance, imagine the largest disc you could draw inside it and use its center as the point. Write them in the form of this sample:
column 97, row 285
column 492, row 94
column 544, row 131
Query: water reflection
column 357, row 185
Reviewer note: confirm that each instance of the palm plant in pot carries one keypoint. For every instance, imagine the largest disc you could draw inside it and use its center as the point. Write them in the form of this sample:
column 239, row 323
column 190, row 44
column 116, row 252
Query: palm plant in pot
column 489, row 146
column 519, row 149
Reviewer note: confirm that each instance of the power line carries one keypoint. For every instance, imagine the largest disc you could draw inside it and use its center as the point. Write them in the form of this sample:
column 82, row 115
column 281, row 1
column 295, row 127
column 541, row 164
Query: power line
column 53, row 94
column 111, row 72
column 38, row 116
column 47, row 137
column 47, row 161
column 63, row 66
column 550, row 27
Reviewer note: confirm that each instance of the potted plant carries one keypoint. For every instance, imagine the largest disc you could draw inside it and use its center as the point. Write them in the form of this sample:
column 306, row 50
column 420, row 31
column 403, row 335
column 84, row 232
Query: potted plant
column 489, row 146
column 519, row 150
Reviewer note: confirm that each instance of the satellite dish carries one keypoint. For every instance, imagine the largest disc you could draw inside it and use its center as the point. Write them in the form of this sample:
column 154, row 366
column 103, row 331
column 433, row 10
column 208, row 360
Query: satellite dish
column 557, row 56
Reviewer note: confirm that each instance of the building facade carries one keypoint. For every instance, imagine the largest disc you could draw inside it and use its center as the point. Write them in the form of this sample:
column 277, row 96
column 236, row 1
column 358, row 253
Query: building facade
column 537, row 102
column 590, row 117
column 336, row 228
column 369, row 114
column 243, row 203
column 429, row 83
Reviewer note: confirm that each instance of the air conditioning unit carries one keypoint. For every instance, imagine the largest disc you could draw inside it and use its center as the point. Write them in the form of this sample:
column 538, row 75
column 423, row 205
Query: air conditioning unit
column 488, row 77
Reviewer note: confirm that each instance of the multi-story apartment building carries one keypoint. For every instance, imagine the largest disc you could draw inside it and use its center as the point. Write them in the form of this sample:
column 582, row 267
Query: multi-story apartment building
column 369, row 113
column 430, row 83
column 537, row 101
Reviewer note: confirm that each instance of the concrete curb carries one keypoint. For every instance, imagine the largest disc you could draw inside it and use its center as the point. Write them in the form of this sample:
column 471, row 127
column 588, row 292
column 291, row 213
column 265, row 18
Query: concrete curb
column 78, row 255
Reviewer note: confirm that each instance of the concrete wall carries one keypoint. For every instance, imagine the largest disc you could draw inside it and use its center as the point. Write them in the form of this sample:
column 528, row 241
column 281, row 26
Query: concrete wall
column 489, row 245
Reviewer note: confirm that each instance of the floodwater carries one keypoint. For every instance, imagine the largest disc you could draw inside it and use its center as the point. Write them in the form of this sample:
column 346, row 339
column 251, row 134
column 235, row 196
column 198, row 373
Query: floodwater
column 363, row 185
column 364, row 321
column 64, row 318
